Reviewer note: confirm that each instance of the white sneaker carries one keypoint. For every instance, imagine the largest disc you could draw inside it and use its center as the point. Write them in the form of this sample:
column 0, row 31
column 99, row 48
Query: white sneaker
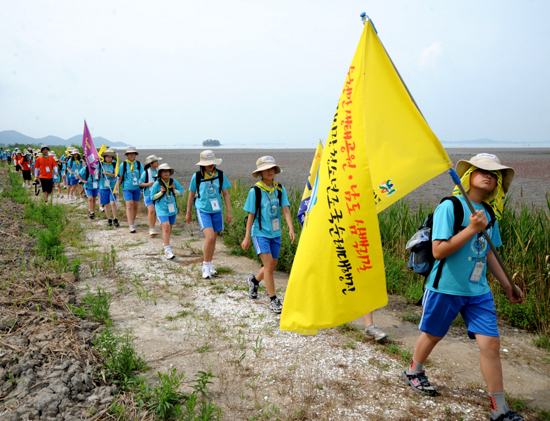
column 375, row 332
column 152, row 232
column 132, row 229
column 101, row 209
column 205, row 271
column 23, row 185
column 168, row 254
column 211, row 269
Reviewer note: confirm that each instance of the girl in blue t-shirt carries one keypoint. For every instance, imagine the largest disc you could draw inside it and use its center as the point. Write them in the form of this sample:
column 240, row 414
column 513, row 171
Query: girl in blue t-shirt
column 463, row 259
column 129, row 172
column 74, row 165
column 207, row 197
column 265, row 231
column 107, row 181
column 90, row 180
column 163, row 194
column 146, row 180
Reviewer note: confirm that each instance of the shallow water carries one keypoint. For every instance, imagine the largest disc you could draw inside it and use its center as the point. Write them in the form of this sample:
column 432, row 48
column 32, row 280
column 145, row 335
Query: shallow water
column 531, row 183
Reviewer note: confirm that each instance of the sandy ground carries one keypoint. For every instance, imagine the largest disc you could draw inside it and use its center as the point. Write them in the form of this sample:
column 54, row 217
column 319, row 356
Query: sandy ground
column 182, row 321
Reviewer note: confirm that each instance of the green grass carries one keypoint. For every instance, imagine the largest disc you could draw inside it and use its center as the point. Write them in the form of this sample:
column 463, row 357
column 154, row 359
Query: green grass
column 95, row 307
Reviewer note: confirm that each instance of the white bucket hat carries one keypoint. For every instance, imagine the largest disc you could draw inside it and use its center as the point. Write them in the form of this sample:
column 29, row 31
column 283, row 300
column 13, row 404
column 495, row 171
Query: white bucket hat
column 208, row 158
column 164, row 167
column 44, row 146
column 108, row 152
column 489, row 162
column 152, row 158
column 73, row 151
column 131, row 149
column 265, row 163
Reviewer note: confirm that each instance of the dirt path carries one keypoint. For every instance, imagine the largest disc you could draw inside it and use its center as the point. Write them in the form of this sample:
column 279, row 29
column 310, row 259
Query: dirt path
column 182, row 321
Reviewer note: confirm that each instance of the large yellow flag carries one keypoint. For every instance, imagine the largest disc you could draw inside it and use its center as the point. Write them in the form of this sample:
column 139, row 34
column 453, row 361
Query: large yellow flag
column 403, row 151
column 379, row 148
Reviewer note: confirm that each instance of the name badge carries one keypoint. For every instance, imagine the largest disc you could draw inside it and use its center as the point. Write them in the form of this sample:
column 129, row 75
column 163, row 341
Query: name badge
column 215, row 204
column 134, row 181
column 106, row 182
column 476, row 273
column 275, row 224
column 94, row 185
column 47, row 169
column 171, row 208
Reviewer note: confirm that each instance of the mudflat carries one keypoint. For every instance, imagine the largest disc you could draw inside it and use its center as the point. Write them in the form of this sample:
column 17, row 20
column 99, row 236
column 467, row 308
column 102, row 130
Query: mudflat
column 531, row 184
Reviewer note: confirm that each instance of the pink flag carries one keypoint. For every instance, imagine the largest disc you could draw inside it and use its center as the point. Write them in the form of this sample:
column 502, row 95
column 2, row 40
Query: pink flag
column 90, row 152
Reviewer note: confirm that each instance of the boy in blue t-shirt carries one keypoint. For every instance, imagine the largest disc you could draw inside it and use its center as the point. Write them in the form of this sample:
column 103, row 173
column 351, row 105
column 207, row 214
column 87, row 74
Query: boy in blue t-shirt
column 463, row 287
column 208, row 203
column 265, row 231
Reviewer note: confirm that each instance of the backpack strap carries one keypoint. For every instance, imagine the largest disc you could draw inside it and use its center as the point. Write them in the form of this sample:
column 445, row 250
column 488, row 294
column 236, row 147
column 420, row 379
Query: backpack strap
column 123, row 172
column 489, row 209
column 458, row 212
column 220, row 176
column 198, row 181
column 258, row 208
column 280, row 194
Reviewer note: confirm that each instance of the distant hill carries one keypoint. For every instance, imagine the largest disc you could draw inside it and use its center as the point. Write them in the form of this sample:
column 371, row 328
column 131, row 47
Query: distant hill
column 11, row 137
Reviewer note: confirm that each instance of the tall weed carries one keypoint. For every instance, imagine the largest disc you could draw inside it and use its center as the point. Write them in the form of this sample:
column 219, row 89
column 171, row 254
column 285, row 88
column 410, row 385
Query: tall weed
column 525, row 252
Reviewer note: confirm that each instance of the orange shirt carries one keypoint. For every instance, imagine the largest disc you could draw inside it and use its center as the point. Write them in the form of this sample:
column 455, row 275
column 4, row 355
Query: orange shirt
column 45, row 166
column 25, row 165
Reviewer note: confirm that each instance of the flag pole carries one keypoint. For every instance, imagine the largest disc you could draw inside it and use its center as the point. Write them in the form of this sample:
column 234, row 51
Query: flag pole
column 456, row 180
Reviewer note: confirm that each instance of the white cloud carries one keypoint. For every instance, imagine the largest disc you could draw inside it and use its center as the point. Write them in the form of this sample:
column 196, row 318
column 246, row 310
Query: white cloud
column 429, row 56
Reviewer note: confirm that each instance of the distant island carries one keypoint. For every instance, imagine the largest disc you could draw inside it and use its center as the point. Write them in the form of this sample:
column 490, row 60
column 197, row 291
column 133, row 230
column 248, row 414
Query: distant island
column 211, row 142
column 11, row 137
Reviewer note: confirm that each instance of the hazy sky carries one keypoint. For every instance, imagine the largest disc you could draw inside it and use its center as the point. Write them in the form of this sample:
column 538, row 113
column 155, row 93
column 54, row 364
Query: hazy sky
column 266, row 72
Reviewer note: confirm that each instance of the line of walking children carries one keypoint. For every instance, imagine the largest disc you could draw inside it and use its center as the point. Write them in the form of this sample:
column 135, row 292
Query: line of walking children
column 457, row 282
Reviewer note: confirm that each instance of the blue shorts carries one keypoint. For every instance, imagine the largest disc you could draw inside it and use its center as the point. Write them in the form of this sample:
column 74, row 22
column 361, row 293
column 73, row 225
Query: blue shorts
column 210, row 220
column 171, row 219
column 134, row 195
column 439, row 310
column 267, row 245
column 106, row 196
column 71, row 181
column 147, row 200
column 92, row 192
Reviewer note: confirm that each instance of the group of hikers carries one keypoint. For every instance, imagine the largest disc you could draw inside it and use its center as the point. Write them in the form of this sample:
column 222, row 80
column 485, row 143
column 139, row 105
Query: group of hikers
column 457, row 283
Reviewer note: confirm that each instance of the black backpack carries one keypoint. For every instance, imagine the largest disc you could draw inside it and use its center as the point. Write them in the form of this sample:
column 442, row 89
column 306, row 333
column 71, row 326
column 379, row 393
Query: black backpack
column 170, row 184
column 258, row 205
column 124, row 170
column 199, row 179
column 422, row 259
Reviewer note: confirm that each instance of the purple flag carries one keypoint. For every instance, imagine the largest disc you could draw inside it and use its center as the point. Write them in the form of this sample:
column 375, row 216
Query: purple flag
column 90, row 152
